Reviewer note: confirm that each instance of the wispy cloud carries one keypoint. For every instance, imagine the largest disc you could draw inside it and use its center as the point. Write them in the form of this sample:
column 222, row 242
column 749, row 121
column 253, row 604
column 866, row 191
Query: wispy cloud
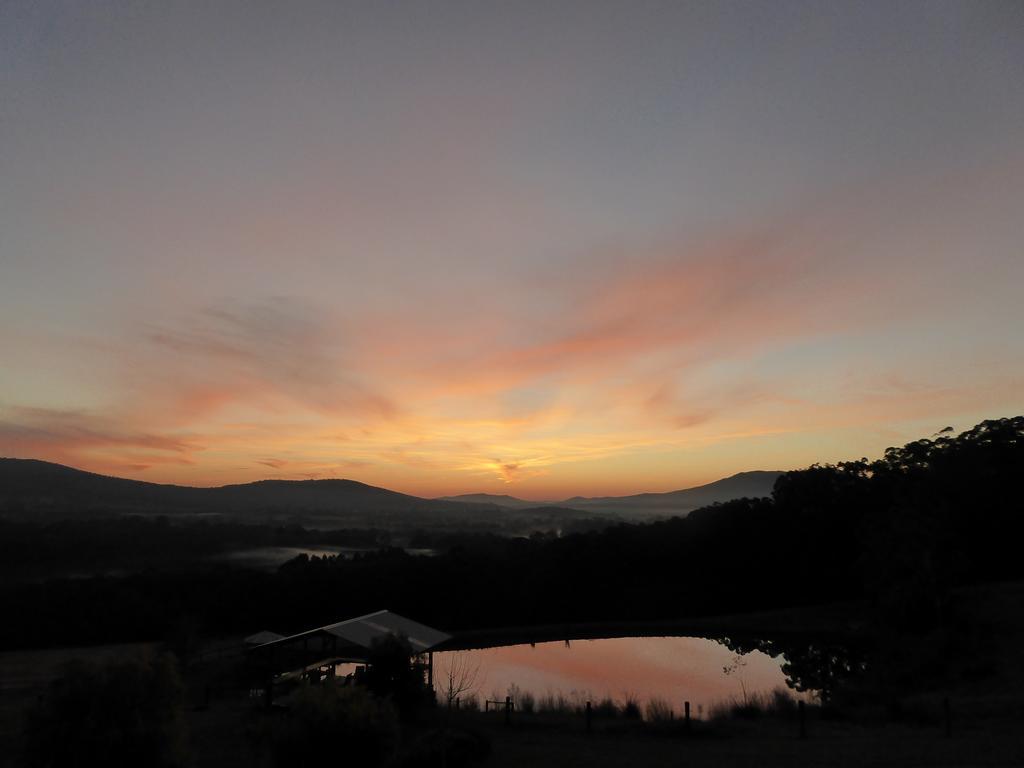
column 625, row 354
column 276, row 350
column 99, row 441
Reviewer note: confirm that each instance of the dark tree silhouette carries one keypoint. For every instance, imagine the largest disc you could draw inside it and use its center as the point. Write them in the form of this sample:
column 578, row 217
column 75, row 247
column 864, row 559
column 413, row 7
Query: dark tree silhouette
column 391, row 674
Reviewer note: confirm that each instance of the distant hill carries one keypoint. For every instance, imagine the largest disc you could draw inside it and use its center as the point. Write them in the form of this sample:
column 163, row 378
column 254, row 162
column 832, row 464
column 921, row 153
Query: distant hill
column 33, row 488
column 38, row 489
column 499, row 500
column 745, row 484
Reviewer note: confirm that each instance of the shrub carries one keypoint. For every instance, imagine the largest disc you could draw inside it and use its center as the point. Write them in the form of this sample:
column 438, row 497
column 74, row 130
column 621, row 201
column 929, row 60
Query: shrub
column 526, row 703
column 606, row 707
column 782, row 702
column 631, row 707
column 561, row 703
column 126, row 713
column 779, row 702
column 554, row 702
column 658, row 710
column 326, row 719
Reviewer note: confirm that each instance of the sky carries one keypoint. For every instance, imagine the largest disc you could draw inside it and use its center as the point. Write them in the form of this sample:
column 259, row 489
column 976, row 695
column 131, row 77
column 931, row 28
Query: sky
column 544, row 249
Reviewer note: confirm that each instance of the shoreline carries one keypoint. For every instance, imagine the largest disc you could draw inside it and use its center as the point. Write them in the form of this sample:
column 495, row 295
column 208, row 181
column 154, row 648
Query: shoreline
column 834, row 621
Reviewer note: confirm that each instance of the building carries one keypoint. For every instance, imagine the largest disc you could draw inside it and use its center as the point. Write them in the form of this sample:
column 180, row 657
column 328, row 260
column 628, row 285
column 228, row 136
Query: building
column 316, row 653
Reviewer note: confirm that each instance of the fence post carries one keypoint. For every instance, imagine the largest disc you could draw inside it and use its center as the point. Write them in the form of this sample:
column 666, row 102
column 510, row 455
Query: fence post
column 508, row 709
column 589, row 714
column 802, row 709
column 948, row 716
column 686, row 715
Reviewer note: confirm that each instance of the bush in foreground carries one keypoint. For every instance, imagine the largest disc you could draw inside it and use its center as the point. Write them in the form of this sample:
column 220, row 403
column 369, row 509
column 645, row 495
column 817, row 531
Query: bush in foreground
column 126, row 713
column 779, row 703
column 326, row 721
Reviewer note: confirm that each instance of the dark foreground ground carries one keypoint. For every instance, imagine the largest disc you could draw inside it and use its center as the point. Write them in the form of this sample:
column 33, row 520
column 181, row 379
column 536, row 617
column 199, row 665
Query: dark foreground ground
column 220, row 737
column 987, row 722
column 767, row 744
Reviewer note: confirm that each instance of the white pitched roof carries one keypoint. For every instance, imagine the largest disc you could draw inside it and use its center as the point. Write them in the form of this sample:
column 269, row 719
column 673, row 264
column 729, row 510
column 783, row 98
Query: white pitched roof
column 264, row 636
column 363, row 631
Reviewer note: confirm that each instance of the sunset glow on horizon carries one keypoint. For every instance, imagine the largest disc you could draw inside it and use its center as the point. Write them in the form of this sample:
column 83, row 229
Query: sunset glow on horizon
column 578, row 249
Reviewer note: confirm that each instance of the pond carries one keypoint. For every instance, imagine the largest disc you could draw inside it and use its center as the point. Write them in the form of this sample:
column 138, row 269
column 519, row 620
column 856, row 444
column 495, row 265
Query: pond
column 672, row 669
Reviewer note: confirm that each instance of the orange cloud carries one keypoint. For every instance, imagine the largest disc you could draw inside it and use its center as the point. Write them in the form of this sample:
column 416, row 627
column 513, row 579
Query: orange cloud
column 88, row 439
column 659, row 352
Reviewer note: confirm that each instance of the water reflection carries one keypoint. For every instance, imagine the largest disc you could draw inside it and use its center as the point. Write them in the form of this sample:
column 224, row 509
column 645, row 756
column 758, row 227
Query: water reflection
column 821, row 667
column 676, row 669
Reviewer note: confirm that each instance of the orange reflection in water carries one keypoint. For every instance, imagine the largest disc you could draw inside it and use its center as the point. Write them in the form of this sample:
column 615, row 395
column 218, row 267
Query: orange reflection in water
column 674, row 668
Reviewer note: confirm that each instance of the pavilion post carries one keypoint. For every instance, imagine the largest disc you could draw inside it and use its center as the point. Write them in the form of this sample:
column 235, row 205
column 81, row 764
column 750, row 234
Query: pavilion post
column 270, row 679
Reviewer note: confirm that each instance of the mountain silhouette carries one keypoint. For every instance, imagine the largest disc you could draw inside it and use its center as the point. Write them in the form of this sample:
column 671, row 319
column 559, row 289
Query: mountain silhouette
column 498, row 499
column 754, row 484
column 31, row 488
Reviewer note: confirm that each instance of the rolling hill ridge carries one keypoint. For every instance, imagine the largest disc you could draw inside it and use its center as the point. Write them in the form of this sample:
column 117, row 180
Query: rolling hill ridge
column 30, row 488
